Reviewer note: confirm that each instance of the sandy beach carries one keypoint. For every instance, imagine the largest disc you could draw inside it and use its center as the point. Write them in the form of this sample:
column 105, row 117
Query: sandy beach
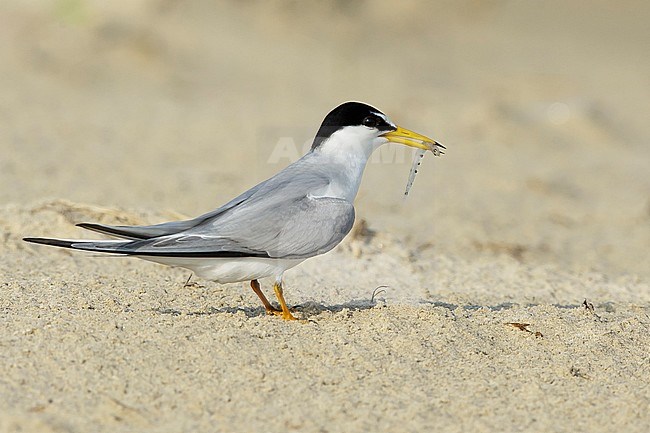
column 509, row 292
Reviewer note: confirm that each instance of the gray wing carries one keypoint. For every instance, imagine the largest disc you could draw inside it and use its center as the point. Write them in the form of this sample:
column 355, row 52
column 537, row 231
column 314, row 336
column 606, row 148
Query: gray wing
column 301, row 228
column 293, row 182
column 279, row 218
column 168, row 228
column 297, row 229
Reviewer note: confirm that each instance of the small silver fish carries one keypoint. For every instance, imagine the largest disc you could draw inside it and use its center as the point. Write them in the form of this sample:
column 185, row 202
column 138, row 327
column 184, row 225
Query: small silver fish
column 435, row 148
column 417, row 160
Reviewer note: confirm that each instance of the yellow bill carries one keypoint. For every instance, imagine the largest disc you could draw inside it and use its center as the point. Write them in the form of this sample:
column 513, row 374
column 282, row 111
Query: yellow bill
column 413, row 139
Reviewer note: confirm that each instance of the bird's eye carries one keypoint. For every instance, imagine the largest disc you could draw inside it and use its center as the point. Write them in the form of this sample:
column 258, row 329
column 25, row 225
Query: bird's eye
column 370, row 121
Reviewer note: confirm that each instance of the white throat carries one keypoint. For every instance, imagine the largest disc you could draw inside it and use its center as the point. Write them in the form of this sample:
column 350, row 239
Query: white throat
column 347, row 152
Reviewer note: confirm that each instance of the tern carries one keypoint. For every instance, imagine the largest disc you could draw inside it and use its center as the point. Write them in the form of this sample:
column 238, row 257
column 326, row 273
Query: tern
column 303, row 211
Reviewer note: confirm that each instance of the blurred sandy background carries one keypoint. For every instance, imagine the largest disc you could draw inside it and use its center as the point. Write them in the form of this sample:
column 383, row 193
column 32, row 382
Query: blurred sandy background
column 144, row 111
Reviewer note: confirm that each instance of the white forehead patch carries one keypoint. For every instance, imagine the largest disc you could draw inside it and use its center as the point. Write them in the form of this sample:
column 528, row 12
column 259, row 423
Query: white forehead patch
column 386, row 119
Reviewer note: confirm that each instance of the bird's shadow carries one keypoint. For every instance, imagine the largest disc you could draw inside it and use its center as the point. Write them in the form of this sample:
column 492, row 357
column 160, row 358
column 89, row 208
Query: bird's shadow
column 510, row 305
column 313, row 309
column 307, row 309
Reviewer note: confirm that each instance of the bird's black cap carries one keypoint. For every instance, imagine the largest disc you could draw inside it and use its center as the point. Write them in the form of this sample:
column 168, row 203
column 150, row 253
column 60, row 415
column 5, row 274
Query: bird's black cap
column 350, row 114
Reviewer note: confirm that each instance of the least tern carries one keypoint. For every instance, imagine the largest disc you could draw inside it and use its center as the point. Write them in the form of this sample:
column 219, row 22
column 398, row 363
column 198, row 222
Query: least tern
column 301, row 212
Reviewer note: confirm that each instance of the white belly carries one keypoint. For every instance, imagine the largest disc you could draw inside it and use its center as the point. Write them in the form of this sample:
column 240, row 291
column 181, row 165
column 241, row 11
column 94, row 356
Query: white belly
column 229, row 270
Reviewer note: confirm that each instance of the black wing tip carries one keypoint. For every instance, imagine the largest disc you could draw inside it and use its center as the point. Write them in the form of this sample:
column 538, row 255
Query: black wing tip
column 92, row 226
column 186, row 254
column 111, row 230
column 98, row 228
column 50, row 241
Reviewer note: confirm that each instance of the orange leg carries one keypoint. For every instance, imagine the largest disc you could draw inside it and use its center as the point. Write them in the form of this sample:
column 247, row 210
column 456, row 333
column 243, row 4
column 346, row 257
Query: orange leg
column 286, row 314
column 270, row 309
